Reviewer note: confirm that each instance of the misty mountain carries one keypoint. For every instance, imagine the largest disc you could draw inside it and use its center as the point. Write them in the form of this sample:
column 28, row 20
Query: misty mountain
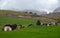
column 57, row 9
column 36, row 11
column 54, row 15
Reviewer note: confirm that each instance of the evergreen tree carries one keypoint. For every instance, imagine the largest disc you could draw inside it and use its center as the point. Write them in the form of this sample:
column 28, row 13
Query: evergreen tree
column 38, row 22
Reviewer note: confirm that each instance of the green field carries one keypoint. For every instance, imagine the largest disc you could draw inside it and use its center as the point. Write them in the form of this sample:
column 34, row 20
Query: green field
column 28, row 32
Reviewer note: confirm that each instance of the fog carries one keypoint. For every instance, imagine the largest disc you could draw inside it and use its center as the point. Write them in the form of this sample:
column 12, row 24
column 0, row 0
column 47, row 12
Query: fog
column 47, row 5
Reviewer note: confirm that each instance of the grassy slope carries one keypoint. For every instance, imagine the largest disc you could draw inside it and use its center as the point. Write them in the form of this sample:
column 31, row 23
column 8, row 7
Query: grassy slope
column 28, row 32
column 16, row 20
column 7, row 12
column 23, row 21
column 33, row 32
column 4, row 12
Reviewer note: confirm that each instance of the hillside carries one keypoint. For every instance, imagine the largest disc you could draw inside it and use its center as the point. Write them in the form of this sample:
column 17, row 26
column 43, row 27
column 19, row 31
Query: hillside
column 19, row 14
column 11, row 13
column 54, row 15
column 7, row 12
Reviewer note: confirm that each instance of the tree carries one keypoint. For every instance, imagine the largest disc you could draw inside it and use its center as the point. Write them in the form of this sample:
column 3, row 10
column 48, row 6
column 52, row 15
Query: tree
column 26, row 12
column 30, row 13
column 35, row 13
column 38, row 22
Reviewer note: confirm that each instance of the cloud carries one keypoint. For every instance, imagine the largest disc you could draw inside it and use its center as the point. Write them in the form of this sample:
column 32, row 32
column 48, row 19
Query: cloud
column 29, row 4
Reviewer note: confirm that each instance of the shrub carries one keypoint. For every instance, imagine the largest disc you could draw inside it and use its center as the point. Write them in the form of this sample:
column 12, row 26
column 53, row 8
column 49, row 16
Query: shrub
column 38, row 22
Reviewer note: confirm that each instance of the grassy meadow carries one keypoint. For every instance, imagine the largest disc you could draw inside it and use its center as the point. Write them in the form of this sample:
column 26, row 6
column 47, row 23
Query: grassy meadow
column 28, row 32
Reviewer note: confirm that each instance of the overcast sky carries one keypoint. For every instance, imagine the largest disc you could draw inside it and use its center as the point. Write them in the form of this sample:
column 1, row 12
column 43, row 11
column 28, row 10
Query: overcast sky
column 47, row 5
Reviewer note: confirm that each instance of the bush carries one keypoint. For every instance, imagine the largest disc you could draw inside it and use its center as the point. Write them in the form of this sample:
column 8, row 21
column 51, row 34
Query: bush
column 38, row 22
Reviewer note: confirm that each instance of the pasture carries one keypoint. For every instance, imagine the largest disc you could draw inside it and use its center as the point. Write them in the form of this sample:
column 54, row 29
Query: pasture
column 28, row 32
